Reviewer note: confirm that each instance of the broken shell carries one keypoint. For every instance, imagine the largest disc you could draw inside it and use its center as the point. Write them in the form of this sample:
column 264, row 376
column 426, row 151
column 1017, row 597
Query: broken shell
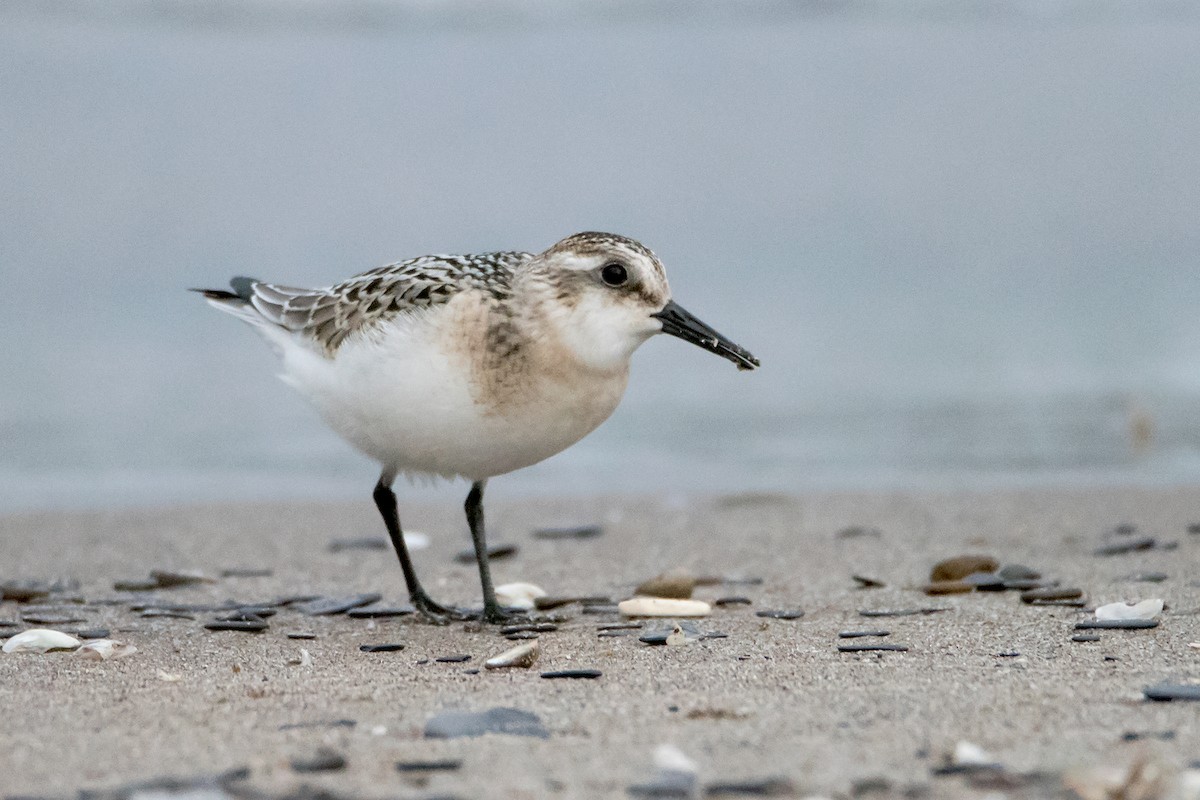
column 519, row 595
column 40, row 640
column 663, row 607
column 677, row 637
column 676, row 583
column 1147, row 609
column 523, row 655
column 415, row 540
column 104, row 649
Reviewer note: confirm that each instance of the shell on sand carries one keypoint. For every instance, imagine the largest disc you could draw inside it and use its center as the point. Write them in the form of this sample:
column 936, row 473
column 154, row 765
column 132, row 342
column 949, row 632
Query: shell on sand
column 40, row 640
column 104, row 649
column 518, row 595
column 663, row 607
column 523, row 655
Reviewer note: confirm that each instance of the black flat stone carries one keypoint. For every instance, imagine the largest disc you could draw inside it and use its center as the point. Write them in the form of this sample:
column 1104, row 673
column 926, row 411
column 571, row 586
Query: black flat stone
column 736, row 600
column 547, row 603
column 359, row 543
column 867, row 648
column 865, row 582
column 52, row 619
column 1123, row 546
column 257, row 610
column 899, row 612
column 88, row 633
column 521, row 636
column 1051, row 593
column 244, row 625
column 767, row 787
column 375, row 611
column 138, row 585
column 445, row 765
column 1085, row 637
column 858, row 531
column 531, row 627
column 325, row 723
column 1018, row 572
column 324, row 760
column 246, row 572
column 300, row 635
column 861, row 634
column 510, row 721
column 782, row 613
column 619, row 626
column 455, row 659
column 614, row 634
column 494, row 553
column 575, row 532
column 597, row 610
column 381, row 648
column 573, row 673
column 325, row 606
column 1163, row 692
column 1116, row 624
column 166, row 613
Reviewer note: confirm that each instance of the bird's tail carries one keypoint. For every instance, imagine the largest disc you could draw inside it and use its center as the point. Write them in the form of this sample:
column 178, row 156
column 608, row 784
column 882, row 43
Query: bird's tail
column 238, row 302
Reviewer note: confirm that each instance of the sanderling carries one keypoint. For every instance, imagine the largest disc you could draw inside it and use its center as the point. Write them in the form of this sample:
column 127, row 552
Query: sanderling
column 471, row 366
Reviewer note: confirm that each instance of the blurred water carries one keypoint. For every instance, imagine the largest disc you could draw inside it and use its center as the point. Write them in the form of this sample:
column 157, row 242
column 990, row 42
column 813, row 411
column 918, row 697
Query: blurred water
column 962, row 243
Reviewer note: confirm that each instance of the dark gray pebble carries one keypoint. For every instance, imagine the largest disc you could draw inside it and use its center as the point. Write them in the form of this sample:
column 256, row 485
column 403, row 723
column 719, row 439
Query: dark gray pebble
column 1080, row 603
column 1085, row 637
column 1025, row 584
column 336, row 605
column 576, row 532
column 1123, row 529
column 379, row 611
column 257, row 610
column 868, row 583
column 166, row 613
column 736, row 600
column 1193, row 528
column 325, row 723
column 1123, row 546
column 573, row 673
column 24, row 591
column 494, row 552
column 170, row 579
column 529, row 627
column 674, row 785
column 866, row 648
column 241, row 616
column 1116, row 624
column 380, row 648
column 861, row 634
column 1147, row 577
column 899, row 612
column 8, row 623
column 767, row 787
column 88, row 633
column 510, row 721
column 1018, row 572
column 246, row 572
column 445, row 765
column 782, row 613
column 51, row 619
column 1172, row 691
column 455, row 659
column 293, row 599
column 209, row 786
column 619, row 626
column 359, row 543
column 521, row 636
column 1138, row 736
column 858, row 531
column 985, row 582
column 256, row 625
column 137, row 585
column 300, row 635
column 598, row 610
column 1008, row 654
column 613, row 634
column 1051, row 593
column 728, row 580
column 549, row 602
column 324, row 760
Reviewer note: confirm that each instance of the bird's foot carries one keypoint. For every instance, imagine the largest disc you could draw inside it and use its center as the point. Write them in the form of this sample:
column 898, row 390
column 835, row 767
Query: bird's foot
column 437, row 614
column 496, row 614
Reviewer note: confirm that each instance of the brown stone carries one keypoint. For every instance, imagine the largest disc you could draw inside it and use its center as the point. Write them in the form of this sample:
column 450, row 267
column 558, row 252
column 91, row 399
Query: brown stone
column 959, row 567
column 947, row 587
column 676, row 584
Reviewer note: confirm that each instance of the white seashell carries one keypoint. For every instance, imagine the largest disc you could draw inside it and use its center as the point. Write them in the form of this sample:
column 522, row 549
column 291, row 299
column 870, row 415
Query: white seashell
column 968, row 754
column 677, row 637
column 40, row 640
column 104, row 649
column 518, row 595
column 670, row 758
column 663, row 607
column 523, row 655
column 415, row 540
column 1147, row 609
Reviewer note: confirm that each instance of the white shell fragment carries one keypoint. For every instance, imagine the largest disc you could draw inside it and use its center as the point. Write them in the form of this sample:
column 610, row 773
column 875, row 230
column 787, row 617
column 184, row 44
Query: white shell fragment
column 663, row 607
column 518, row 595
column 40, row 640
column 415, row 540
column 969, row 754
column 1147, row 609
column 104, row 649
column 523, row 655
column 670, row 758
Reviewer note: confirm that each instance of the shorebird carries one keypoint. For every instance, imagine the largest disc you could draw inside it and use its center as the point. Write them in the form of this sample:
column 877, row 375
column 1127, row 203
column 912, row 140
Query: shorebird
column 470, row 366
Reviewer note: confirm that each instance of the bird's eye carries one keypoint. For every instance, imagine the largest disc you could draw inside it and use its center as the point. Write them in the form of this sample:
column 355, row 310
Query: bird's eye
column 614, row 274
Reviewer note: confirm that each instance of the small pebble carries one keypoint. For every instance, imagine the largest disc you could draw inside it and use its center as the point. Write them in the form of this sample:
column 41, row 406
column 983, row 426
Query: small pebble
column 619, row 626
column 898, row 612
column 1051, row 593
column 445, row 765
column 677, row 583
column 329, row 723
column 858, row 532
column 511, row 721
column 576, row 532
column 1018, row 572
column 947, row 587
column 142, row 585
column 1124, row 546
column 866, row 648
column 1146, row 577
column 300, row 635
column 1193, row 528
column 1116, row 624
column 861, row 634
column 1085, row 637
column 598, row 610
column 736, row 600
column 767, row 787
column 573, row 673
column 782, row 613
column 323, row 606
column 532, row 627
column 359, row 543
column 324, row 760
column 379, row 611
column 24, row 591
column 170, row 579
column 494, row 552
column 986, row 582
column 521, row 636
column 241, row 572
column 959, row 567
column 381, row 648
column 1172, row 691
column 47, row 618
column 868, row 583
column 256, row 625
column 455, row 659
column 88, row 633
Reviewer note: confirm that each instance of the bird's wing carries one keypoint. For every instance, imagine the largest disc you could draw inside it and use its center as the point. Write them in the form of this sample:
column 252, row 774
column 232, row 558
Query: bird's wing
column 328, row 316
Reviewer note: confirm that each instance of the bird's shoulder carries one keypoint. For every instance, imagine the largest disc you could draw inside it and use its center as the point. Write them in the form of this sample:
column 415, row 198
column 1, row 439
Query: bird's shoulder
column 328, row 316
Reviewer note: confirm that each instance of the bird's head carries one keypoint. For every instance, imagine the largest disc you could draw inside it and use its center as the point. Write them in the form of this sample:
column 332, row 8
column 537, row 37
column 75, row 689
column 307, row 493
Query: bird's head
column 609, row 294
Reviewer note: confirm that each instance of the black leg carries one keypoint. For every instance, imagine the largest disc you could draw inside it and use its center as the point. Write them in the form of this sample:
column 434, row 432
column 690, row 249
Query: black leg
column 492, row 612
column 385, row 501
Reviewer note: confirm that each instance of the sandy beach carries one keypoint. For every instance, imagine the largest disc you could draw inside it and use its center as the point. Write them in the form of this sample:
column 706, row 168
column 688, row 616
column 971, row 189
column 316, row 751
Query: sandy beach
column 775, row 699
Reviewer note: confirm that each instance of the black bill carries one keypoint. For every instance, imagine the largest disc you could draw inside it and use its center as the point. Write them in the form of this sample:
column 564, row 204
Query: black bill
column 677, row 321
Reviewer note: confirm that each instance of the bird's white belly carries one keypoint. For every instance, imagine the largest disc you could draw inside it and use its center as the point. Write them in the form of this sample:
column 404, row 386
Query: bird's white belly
column 401, row 399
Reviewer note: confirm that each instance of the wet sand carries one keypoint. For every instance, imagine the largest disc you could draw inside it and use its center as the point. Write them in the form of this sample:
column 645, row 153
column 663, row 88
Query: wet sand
column 773, row 699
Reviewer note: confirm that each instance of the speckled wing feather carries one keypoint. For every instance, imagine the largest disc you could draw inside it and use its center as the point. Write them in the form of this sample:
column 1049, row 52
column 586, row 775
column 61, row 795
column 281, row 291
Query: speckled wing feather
column 330, row 315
